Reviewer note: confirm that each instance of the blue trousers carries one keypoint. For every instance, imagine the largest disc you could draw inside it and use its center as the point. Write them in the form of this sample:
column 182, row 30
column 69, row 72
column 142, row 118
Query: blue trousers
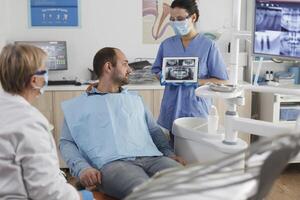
column 120, row 177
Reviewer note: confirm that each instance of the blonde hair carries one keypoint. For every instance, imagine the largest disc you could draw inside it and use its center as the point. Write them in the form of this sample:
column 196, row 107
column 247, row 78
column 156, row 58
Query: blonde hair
column 18, row 62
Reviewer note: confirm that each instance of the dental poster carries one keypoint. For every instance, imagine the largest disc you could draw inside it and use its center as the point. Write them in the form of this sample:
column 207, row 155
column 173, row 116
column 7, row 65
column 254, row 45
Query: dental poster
column 156, row 27
column 54, row 12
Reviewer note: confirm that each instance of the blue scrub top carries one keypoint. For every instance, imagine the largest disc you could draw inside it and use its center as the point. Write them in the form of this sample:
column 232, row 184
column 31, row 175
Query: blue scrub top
column 181, row 101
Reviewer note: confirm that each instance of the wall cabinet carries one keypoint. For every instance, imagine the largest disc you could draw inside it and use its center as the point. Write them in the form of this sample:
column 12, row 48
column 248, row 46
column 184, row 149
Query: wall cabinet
column 45, row 105
column 157, row 98
column 270, row 108
column 152, row 99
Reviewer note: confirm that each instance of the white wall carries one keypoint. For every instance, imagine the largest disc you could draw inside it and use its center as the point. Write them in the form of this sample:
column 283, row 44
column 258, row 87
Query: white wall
column 4, row 29
column 115, row 23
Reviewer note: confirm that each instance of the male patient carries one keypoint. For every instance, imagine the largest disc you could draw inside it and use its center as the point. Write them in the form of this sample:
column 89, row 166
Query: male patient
column 109, row 136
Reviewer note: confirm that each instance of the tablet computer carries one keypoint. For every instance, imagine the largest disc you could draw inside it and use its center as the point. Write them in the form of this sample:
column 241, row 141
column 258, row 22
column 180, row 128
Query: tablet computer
column 180, row 70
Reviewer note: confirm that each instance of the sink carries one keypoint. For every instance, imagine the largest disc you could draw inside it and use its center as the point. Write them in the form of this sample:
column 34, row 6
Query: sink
column 195, row 145
column 193, row 128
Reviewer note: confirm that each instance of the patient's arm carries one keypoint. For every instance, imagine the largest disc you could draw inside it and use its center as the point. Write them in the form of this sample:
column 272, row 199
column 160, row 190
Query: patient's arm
column 70, row 152
column 158, row 136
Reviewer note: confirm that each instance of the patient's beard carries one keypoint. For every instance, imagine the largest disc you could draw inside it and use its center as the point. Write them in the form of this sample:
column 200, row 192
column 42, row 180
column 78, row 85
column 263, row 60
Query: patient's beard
column 120, row 80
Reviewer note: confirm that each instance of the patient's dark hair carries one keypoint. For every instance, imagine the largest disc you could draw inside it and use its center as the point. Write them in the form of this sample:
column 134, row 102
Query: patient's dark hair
column 189, row 5
column 104, row 55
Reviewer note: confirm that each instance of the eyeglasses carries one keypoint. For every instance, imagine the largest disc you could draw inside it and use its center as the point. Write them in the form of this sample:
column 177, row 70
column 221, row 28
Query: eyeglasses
column 40, row 72
column 179, row 18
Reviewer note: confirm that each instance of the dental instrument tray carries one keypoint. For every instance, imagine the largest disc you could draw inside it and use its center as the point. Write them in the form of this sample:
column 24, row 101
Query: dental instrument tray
column 139, row 64
column 222, row 87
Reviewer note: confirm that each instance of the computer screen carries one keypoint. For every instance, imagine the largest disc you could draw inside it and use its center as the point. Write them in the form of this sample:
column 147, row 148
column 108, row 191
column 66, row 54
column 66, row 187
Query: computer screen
column 277, row 29
column 56, row 50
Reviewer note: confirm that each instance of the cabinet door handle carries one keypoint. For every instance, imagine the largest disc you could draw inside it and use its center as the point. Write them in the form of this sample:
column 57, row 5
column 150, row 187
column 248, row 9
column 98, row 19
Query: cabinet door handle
column 275, row 98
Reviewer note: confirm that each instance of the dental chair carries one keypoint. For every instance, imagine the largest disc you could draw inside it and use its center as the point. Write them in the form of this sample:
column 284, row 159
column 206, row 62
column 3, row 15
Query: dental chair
column 264, row 161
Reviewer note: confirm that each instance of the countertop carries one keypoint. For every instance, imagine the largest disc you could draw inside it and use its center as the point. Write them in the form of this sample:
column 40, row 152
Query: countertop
column 149, row 86
column 292, row 86
column 146, row 86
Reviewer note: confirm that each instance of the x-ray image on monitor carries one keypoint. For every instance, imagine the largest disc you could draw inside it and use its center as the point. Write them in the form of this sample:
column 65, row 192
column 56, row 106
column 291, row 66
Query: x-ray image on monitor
column 56, row 53
column 268, row 42
column 180, row 69
column 268, row 19
column 277, row 28
column 290, row 44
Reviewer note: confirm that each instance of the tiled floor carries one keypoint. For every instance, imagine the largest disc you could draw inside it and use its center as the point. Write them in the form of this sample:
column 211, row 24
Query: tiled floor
column 287, row 187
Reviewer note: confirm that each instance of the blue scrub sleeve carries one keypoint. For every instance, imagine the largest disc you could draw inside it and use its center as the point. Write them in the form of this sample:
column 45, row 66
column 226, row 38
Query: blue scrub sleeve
column 70, row 152
column 216, row 64
column 157, row 135
column 157, row 65
column 87, row 195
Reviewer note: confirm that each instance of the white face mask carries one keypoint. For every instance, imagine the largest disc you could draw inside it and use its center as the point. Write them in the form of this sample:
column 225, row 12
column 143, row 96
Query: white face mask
column 42, row 89
column 181, row 28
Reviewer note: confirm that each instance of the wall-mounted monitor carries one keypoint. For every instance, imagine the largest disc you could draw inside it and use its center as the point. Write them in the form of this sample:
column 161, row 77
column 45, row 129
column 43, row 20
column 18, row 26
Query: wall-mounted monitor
column 277, row 29
column 56, row 50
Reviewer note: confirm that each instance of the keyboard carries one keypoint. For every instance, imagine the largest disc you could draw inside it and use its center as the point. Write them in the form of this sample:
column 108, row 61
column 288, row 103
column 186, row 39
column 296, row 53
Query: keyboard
column 62, row 82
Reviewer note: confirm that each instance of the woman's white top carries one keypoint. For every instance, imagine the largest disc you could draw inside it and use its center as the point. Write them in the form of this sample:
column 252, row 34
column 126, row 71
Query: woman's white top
column 29, row 167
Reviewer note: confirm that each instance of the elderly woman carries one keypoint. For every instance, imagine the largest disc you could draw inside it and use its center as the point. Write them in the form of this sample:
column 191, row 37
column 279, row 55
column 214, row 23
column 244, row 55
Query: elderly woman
column 28, row 159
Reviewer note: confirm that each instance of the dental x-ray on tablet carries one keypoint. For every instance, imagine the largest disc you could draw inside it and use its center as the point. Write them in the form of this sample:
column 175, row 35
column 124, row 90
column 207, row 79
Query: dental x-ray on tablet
column 180, row 70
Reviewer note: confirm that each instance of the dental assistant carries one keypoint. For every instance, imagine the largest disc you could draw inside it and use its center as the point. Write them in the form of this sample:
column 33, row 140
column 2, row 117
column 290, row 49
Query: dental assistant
column 28, row 158
column 180, row 100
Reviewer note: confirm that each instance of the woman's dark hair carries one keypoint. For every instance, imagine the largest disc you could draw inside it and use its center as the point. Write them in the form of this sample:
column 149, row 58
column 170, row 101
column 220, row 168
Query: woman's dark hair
column 189, row 5
column 104, row 55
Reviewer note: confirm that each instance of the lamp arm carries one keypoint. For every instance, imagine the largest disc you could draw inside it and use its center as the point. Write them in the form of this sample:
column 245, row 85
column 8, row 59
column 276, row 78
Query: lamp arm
column 257, row 127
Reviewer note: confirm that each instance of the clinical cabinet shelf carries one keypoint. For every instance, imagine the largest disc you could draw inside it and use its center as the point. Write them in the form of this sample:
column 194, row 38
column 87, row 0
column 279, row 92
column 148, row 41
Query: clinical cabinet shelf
column 269, row 106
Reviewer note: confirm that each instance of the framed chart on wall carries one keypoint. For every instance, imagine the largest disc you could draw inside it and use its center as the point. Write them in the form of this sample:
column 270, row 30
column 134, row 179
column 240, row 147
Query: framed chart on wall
column 156, row 25
column 47, row 13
